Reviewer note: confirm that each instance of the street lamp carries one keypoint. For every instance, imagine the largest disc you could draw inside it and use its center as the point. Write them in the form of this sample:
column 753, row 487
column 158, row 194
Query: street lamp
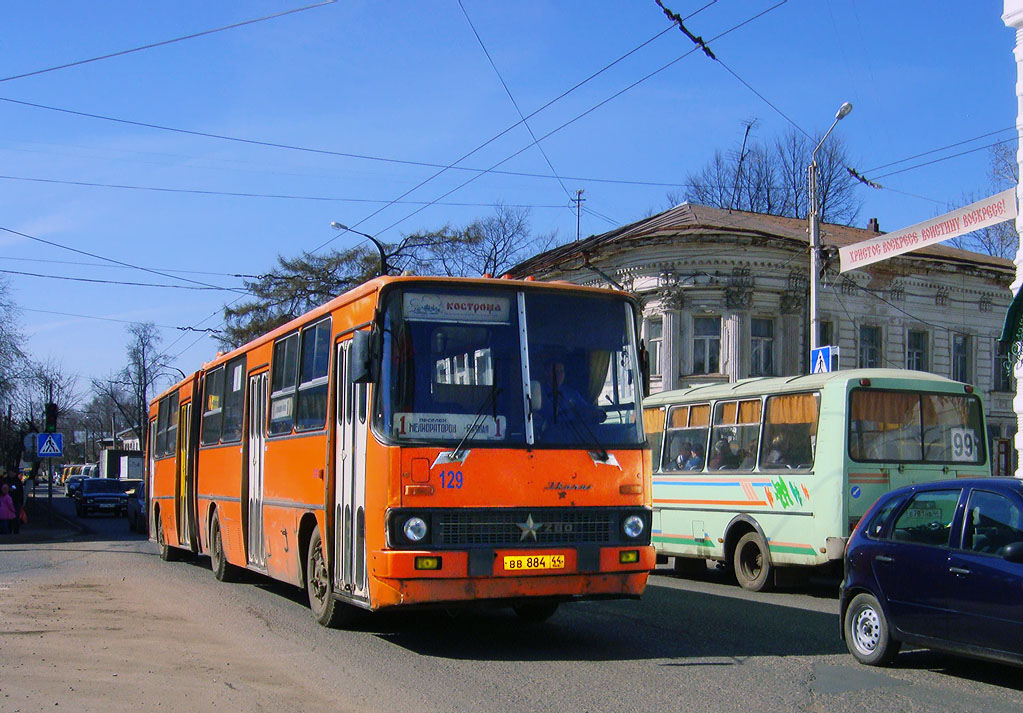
column 383, row 256
column 815, row 231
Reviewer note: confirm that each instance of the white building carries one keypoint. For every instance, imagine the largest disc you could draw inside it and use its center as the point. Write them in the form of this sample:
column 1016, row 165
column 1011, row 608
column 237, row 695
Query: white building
column 725, row 296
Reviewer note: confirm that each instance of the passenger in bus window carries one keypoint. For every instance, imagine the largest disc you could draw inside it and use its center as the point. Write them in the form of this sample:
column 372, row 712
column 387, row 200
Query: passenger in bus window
column 722, row 457
column 676, row 455
column 778, row 454
column 695, row 461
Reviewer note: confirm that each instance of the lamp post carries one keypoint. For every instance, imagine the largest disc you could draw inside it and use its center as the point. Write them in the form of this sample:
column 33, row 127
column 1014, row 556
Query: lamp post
column 815, row 231
column 383, row 256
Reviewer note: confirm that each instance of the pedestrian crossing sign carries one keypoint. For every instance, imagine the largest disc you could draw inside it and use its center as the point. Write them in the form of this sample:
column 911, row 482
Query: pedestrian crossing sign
column 50, row 445
column 820, row 359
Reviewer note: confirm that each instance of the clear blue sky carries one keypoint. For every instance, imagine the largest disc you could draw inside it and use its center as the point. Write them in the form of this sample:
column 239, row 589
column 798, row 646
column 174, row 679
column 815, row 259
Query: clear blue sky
column 409, row 81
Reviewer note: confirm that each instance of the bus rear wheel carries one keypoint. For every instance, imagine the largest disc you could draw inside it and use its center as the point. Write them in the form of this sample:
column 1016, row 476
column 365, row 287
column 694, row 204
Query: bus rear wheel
column 752, row 563
column 326, row 609
column 223, row 570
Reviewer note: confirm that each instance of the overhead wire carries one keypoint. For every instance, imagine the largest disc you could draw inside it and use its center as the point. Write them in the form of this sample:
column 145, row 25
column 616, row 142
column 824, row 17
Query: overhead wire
column 163, row 43
column 112, row 260
column 109, row 319
column 113, row 282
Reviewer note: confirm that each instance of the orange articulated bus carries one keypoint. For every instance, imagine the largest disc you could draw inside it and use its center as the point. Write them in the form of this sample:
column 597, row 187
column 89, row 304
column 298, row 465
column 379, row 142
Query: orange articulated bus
column 418, row 441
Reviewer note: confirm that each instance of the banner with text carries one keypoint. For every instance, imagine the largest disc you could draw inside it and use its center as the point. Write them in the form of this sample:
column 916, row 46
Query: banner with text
column 990, row 211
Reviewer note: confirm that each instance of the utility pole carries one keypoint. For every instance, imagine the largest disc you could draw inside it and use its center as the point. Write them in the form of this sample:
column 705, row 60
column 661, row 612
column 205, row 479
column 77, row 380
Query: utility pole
column 578, row 200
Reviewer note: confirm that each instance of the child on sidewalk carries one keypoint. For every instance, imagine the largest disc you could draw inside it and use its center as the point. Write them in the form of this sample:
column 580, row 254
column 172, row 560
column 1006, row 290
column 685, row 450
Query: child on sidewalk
column 7, row 511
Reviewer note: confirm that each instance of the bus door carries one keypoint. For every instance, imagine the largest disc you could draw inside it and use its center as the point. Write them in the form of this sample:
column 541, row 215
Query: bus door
column 350, row 482
column 257, row 444
column 183, row 493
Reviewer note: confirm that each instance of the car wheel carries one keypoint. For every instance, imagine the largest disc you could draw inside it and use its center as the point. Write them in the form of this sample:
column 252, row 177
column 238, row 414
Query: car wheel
column 751, row 562
column 867, row 633
column 167, row 553
column 536, row 612
column 223, row 570
column 327, row 610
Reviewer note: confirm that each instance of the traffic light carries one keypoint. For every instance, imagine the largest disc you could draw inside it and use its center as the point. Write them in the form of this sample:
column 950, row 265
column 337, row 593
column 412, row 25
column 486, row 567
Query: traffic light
column 51, row 418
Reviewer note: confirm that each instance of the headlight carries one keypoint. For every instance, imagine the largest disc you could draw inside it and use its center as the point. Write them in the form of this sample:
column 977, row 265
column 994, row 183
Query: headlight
column 414, row 529
column 633, row 526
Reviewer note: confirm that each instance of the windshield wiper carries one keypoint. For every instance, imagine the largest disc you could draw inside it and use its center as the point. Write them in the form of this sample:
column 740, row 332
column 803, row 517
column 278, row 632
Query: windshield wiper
column 491, row 398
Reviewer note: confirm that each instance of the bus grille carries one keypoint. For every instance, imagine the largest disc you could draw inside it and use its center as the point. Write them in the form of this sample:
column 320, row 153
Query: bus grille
column 509, row 528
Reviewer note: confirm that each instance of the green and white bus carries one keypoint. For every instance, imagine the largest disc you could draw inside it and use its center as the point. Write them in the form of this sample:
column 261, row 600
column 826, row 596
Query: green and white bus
column 776, row 472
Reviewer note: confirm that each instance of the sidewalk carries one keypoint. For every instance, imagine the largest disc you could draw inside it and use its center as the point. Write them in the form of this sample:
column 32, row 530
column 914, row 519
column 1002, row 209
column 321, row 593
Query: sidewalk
column 43, row 524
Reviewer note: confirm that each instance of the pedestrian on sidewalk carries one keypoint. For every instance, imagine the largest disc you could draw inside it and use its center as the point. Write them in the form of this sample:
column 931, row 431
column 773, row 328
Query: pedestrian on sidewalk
column 7, row 511
column 17, row 493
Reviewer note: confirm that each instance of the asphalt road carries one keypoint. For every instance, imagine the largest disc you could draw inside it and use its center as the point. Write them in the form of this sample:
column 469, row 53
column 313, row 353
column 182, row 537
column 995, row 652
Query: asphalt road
column 98, row 622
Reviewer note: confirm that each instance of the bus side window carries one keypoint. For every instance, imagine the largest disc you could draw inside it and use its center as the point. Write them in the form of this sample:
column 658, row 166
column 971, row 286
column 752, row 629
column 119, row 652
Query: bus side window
column 790, row 431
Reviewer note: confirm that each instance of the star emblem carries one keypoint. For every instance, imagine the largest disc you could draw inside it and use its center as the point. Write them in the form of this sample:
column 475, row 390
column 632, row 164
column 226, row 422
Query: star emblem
column 529, row 528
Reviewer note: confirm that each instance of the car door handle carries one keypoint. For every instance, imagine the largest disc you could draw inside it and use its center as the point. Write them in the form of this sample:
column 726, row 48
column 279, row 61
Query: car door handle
column 958, row 570
column 883, row 558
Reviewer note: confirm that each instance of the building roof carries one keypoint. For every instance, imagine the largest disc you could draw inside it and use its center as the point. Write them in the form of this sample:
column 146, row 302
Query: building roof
column 693, row 220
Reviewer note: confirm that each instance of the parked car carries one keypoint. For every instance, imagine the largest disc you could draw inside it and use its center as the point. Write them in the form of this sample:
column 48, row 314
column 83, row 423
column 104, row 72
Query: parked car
column 72, row 484
column 138, row 516
column 937, row 565
column 100, row 495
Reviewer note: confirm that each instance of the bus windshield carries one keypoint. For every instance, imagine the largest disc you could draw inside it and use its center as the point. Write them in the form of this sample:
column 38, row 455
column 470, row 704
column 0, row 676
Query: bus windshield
column 452, row 368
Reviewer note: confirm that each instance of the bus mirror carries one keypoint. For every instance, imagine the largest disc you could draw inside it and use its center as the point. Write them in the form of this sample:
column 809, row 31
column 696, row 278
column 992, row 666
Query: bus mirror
column 363, row 357
column 644, row 367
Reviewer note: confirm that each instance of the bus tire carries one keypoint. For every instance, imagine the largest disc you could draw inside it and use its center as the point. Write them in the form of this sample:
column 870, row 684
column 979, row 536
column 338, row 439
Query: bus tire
column 867, row 633
column 751, row 563
column 223, row 570
column 535, row 612
column 326, row 609
column 167, row 553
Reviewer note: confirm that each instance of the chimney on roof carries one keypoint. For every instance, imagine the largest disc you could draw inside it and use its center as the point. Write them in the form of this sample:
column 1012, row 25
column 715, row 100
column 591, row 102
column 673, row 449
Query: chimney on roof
column 872, row 225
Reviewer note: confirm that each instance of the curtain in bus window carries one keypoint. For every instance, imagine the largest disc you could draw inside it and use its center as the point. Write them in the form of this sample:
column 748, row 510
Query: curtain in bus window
column 952, row 431
column 653, row 426
column 283, row 376
column 212, row 407
column 884, row 426
column 234, row 401
column 790, row 431
column 312, row 388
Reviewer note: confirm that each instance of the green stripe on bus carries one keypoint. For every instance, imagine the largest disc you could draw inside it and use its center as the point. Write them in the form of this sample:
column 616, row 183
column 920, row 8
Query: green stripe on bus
column 792, row 549
column 683, row 540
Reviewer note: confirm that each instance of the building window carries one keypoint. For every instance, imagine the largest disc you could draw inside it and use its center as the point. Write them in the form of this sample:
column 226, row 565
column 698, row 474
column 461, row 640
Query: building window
column 762, row 347
column 916, row 350
column 961, row 357
column 870, row 347
column 655, row 344
column 706, row 345
column 1002, row 380
column 826, row 334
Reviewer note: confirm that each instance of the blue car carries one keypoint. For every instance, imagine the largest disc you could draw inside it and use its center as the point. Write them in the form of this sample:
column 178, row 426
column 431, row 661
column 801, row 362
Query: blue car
column 937, row 565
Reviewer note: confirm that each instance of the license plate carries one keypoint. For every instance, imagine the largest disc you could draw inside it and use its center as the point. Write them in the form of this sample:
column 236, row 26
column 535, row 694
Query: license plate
column 106, row 505
column 527, row 562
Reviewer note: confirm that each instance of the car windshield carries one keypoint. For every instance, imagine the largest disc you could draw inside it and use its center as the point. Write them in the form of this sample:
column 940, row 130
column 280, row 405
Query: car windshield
column 101, row 485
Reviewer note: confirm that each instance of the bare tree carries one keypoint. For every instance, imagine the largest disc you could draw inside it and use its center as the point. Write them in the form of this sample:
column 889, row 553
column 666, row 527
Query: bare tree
column 490, row 245
column 130, row 390
column 1001, row 239
column 772, row 179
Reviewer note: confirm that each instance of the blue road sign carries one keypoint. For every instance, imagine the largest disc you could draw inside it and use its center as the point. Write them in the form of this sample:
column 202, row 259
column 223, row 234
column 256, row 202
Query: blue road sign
column 50, row 445
column 820, row 360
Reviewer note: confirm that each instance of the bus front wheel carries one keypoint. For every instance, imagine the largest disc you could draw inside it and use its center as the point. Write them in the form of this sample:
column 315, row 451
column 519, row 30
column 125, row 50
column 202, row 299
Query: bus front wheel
column 752, row 563
column 223, row 570
column 167, row 553
column 327, row 610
